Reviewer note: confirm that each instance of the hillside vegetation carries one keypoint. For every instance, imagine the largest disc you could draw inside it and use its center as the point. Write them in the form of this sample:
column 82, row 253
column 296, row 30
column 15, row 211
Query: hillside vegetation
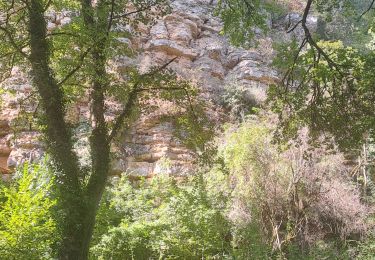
column 256, row 117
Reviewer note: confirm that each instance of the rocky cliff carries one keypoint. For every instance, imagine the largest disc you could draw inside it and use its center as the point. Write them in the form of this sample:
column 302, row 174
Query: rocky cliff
column 192, row 34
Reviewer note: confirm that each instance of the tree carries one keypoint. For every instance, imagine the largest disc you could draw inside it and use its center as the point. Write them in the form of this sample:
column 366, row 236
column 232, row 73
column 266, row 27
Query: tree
column 73, row 59
column 327, row 86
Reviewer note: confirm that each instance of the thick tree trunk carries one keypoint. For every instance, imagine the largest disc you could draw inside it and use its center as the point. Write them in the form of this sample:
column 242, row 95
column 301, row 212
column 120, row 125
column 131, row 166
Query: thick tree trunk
column 78, row 206
column 59, row 138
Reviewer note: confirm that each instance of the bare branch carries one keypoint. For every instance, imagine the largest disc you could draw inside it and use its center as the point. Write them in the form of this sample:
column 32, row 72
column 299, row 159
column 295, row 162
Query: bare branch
column 295, row 60
column 367, row 10
column 309, row 39
column 152, row 73
column 294, row 27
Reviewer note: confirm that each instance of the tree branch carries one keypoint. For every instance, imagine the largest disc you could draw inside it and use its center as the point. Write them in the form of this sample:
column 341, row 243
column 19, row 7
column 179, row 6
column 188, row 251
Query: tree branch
column 295, row 60
column 111, row 16
column 295, row 26
column 13, row 42
column 310, row 40
column 131, row 100
column 134, row 12
column 73, row 71
column 367, row 10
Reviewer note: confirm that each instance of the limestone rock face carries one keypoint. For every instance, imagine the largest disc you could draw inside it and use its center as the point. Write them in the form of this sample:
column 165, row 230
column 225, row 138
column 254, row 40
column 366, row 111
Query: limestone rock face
column 153, row 149
column 192, row 34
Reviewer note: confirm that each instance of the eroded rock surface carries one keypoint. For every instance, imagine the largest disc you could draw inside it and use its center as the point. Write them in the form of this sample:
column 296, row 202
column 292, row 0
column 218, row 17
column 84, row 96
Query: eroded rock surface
column 192, row 34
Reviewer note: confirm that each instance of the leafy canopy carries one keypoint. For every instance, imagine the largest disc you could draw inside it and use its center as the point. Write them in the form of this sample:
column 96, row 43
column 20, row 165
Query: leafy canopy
column 327, row 85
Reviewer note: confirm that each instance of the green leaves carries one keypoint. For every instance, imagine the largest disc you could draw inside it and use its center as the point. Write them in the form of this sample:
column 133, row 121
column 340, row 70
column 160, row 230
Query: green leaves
column 27, row 229
column 14, row 37
column 334, row 95
column 327, row 86
column 242, row 19
column 160, row 219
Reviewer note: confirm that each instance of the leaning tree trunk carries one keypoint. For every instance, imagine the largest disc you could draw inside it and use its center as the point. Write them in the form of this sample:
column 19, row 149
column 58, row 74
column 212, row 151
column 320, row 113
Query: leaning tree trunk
column 78, row 204
column 59, row 138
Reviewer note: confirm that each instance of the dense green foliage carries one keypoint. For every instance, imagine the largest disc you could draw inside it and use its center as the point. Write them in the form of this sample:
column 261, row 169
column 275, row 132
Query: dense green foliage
column 69, row 51
column 327, row 85
column 240, row 19
column 258, row 201
column 280, row 190
column 252, row 197
column 161, row 219
column 346, row 107
column 27, row 227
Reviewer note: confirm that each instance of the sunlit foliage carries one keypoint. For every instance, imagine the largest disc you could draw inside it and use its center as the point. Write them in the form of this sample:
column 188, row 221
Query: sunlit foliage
column 27, row 228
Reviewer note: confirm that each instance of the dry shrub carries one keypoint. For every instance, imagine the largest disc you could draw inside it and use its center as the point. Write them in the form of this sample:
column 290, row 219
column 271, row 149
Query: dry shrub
column 299, row 194
column 331, row 203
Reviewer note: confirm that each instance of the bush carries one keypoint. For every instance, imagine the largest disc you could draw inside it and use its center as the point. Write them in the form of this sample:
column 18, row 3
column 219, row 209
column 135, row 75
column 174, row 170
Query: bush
column 238, row 101
column 297, row 195
column 261, row 200
column 159, row 219
column 27, row 229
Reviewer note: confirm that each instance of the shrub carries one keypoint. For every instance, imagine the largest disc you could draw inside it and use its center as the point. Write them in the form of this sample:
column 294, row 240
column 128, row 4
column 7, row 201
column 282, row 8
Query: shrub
column 160, row 219
column 238, row 101
column 297, row 194
column 260, row 200
column 27, row 229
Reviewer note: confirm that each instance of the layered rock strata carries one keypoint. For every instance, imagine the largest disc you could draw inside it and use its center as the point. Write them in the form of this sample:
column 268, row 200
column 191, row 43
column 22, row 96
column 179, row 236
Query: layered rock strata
column 193, row 35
